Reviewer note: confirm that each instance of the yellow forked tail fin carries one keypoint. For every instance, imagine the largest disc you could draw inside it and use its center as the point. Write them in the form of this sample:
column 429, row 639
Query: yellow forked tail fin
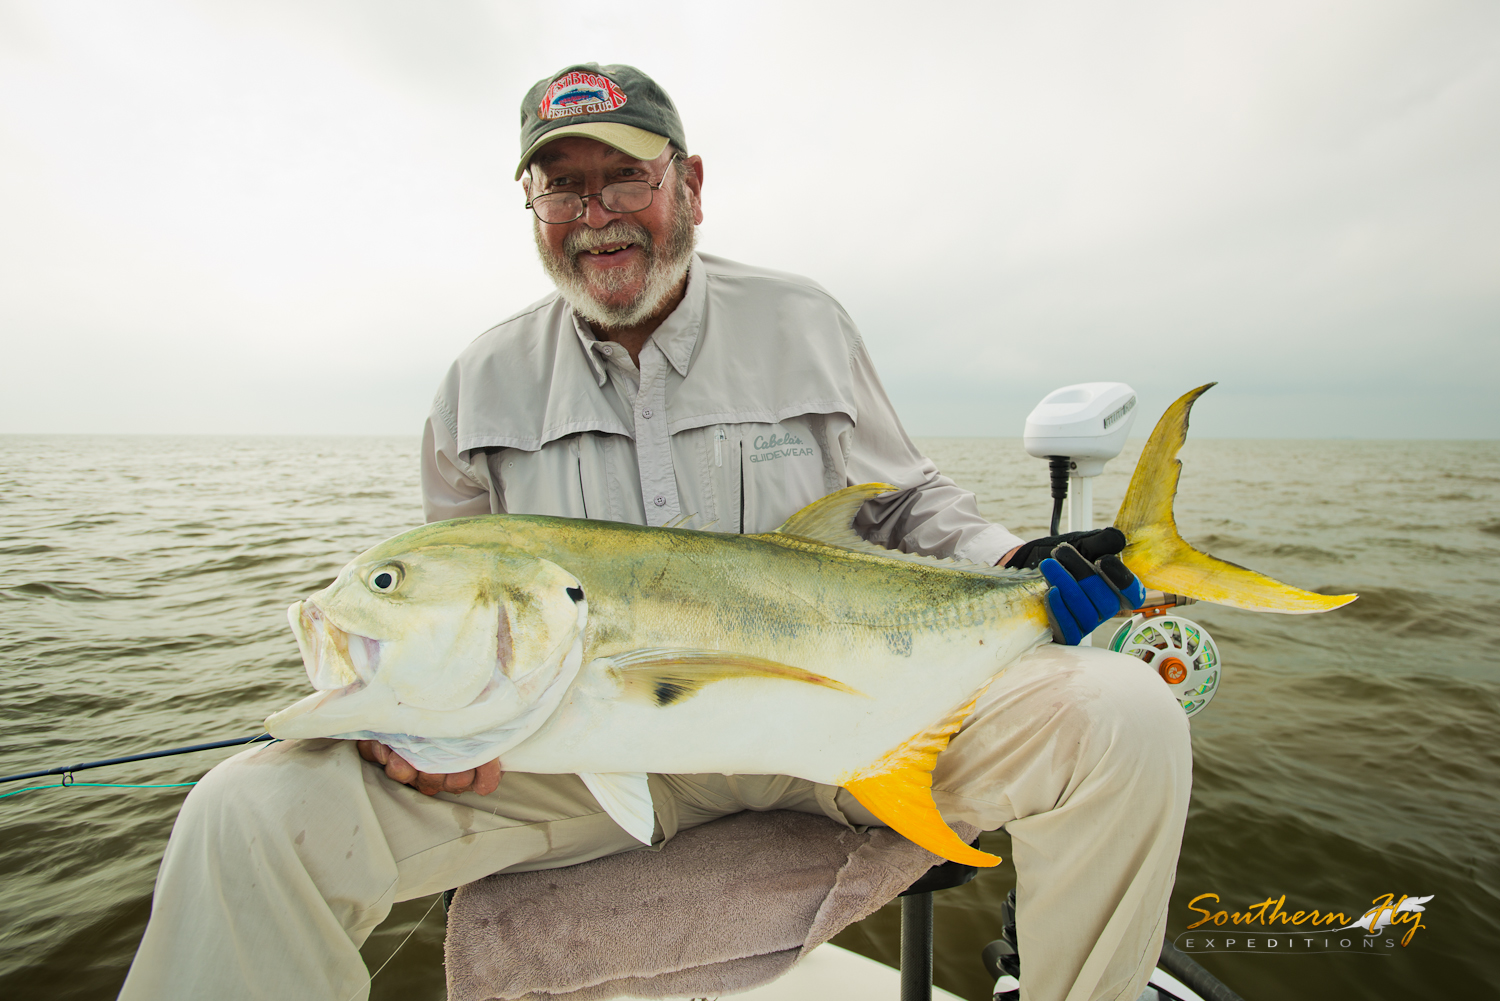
column 1156, row 554
column 898, row 790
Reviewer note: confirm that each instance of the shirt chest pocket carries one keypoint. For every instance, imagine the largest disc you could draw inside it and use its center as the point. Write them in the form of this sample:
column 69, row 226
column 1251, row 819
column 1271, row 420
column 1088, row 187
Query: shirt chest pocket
column 547, row 481
column 782, row 468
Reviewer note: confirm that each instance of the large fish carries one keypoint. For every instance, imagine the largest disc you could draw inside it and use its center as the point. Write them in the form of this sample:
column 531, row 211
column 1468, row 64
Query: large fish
column 612, row 650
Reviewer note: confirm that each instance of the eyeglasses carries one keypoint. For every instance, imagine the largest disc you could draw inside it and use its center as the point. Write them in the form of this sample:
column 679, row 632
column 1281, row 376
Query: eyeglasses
column 557, row 207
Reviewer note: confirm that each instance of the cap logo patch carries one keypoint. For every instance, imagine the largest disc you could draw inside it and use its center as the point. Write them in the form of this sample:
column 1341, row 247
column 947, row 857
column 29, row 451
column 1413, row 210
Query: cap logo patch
column 580, row 93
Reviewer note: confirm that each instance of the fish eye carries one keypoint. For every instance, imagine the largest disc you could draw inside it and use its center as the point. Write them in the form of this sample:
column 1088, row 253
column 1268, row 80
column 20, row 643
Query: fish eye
column 386, row 578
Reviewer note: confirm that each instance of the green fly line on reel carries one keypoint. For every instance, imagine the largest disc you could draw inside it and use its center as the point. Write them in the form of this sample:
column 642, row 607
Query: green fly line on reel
column 1179, row 650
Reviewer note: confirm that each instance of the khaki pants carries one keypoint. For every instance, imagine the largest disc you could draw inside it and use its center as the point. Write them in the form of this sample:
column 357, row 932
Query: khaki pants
column 285, row 857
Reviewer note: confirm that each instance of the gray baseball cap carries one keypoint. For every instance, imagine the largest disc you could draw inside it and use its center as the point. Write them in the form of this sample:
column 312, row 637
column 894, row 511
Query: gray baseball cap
column 617, row 105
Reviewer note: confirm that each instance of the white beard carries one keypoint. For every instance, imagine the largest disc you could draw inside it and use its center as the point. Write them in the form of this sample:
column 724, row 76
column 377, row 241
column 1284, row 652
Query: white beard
column 665, row 267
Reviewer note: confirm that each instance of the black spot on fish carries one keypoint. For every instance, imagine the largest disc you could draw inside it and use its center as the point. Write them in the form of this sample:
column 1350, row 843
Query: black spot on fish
column 668, row 691
column 576, row 593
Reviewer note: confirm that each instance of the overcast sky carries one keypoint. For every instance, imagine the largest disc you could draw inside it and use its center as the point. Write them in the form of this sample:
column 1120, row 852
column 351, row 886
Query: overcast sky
column 290, row 216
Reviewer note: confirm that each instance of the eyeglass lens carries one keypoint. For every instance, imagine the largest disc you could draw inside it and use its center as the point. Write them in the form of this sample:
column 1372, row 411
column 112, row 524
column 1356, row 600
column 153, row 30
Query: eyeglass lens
column 565, row 206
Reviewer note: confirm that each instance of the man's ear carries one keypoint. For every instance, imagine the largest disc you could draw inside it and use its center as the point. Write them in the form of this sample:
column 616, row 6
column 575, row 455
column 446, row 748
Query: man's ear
column 694, row 167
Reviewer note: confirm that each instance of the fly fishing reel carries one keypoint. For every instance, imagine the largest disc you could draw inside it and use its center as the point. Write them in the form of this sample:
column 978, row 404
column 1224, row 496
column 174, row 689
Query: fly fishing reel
column 1178, row 649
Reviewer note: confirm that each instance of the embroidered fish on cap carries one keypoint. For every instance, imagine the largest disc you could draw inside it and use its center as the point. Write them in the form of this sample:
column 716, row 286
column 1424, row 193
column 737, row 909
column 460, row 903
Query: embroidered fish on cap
column 580, row 93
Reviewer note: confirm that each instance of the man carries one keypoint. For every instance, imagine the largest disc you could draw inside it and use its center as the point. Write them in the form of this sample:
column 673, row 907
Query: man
column 663, row 386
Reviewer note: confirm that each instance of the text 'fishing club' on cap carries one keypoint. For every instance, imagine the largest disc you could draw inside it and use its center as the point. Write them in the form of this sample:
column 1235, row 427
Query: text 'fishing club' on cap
column 617, row 105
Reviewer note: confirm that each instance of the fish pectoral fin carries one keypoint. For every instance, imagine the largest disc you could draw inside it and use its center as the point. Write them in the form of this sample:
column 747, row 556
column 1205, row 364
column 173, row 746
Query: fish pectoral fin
column 626, row 797
column 898, row 790
column 666, row 676
column 1162, row 559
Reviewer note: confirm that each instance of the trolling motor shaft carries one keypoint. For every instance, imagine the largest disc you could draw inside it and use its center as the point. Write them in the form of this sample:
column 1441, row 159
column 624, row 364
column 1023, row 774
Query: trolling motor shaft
column 1059, row 466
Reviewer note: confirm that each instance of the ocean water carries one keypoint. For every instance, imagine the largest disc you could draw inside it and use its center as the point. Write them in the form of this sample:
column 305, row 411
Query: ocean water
column 143, row 583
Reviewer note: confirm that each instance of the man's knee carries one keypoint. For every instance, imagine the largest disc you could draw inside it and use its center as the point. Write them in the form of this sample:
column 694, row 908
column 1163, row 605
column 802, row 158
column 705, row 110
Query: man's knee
column 1057, row 719
column 268, row 787
column 1133, row 706
column 1138, row 747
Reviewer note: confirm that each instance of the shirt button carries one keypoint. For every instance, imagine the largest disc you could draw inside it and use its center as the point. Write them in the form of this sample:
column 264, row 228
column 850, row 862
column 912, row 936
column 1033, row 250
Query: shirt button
column 646, row 414
column 606, row 349
column 660, row 502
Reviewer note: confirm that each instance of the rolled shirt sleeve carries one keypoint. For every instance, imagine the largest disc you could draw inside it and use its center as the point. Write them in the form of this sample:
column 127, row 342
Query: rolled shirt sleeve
column 451, row 487
column 929, row 514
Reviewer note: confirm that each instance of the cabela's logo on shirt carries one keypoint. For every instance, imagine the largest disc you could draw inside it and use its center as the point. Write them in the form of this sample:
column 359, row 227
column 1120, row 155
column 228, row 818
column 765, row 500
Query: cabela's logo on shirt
column 579, row 93
column 777, row 446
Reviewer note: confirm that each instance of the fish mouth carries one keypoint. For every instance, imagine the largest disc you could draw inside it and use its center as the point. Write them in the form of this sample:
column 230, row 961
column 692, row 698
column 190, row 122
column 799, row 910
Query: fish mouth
column 336, row 660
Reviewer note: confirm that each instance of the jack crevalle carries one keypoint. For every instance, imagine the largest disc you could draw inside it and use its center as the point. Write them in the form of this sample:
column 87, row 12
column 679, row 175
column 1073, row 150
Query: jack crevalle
column 612, row 650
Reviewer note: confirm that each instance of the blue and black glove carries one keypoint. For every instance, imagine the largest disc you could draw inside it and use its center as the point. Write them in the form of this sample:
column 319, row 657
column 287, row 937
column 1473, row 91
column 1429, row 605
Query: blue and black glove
column 1084, row 594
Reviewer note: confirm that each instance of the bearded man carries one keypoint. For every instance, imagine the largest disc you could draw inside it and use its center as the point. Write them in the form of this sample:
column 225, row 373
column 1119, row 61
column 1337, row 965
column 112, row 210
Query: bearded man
column 662, row 386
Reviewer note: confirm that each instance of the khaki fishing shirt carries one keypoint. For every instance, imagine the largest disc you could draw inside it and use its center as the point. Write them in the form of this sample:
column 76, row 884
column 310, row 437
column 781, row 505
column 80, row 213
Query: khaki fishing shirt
column 754, row 398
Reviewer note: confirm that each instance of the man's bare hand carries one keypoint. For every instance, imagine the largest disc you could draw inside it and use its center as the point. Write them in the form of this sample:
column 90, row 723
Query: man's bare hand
column 482, row 780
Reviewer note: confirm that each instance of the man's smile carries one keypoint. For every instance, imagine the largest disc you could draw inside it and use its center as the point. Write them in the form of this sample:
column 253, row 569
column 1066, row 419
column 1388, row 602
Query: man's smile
column 614, row 256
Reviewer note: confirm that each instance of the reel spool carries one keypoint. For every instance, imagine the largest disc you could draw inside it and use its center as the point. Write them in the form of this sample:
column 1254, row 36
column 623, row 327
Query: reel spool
column 1179, row 650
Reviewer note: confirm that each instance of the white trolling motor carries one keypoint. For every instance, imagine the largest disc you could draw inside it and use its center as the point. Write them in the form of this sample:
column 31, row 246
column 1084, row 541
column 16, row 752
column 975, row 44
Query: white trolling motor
column 1077, row 429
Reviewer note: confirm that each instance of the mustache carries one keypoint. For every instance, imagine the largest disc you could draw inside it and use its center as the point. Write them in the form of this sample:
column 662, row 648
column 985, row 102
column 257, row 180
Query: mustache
column 617, row 232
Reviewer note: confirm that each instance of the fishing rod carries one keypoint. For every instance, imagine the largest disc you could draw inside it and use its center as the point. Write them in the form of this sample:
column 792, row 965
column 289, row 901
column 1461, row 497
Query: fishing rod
column 66, row 771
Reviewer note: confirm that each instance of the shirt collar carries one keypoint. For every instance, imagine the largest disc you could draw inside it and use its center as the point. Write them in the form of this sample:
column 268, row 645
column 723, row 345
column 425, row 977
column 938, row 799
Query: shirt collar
column 675, row 338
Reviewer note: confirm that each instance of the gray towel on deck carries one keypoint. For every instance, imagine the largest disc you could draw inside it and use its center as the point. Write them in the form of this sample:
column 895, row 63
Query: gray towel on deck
column 721, row 908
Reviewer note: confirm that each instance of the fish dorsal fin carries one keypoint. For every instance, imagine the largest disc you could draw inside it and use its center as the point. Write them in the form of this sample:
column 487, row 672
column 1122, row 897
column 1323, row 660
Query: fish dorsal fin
column 898, row 790
column 626, row 797
column 1162, row 559
column 830, row 520
column 666, row 675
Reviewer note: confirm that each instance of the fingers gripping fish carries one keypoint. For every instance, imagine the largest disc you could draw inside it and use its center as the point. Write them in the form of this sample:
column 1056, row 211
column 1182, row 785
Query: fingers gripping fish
column 612, row 651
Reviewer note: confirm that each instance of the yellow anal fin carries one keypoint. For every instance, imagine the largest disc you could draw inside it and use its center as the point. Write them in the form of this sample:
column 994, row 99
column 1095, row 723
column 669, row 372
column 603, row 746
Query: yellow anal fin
column 1162, row 559
column 898, row 790
column 667, row 675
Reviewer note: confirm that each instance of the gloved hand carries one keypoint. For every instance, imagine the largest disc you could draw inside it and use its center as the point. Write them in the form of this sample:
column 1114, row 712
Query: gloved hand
column 1092, row 545
column 1084, row 594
